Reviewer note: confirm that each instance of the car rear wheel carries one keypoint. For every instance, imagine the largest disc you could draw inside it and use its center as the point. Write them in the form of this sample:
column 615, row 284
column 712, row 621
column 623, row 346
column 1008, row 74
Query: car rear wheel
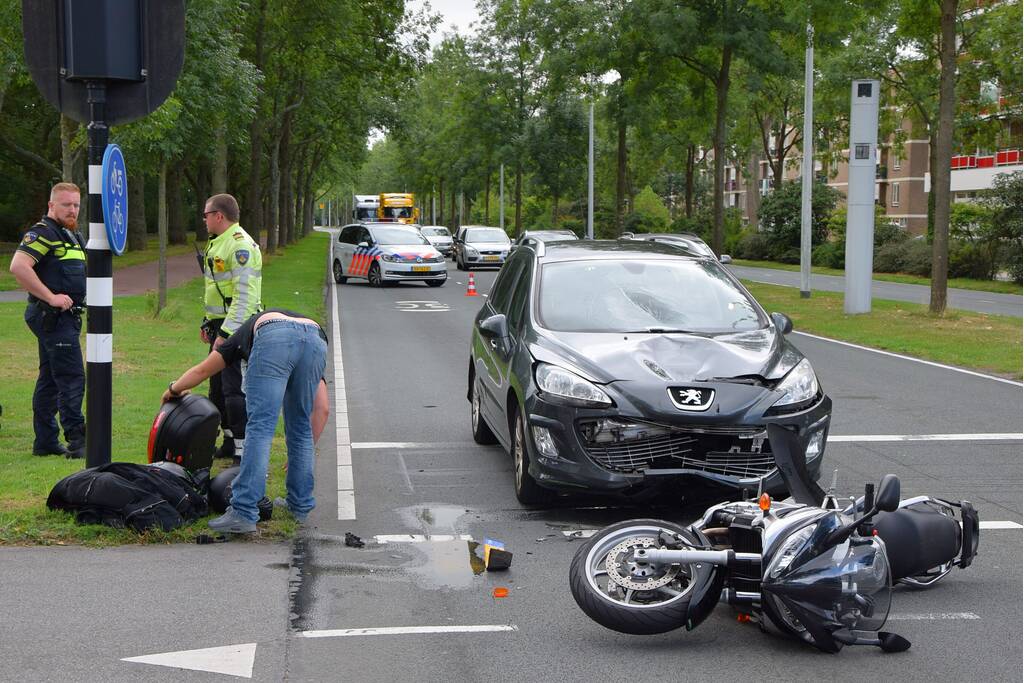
column 482, row 434
column 527, row 490
column 338, row 273
column 374, row 277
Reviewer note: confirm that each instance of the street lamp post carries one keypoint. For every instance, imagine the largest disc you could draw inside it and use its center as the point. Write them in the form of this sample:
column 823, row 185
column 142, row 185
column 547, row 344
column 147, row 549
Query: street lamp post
column 808, row 168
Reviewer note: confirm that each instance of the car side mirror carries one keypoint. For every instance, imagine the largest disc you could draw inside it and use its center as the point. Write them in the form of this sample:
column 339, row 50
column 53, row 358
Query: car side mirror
column 725, row 258
column 782, row 322
column 888, row 498
column 494, row 327
column 363, row 245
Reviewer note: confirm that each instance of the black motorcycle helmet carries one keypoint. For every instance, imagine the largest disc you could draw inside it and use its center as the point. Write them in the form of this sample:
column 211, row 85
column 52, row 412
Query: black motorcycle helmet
column 220, row 494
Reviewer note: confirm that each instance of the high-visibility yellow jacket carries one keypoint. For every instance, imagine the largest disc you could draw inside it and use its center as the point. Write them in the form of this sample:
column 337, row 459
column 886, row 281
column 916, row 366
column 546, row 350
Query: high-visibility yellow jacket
column 233, row 271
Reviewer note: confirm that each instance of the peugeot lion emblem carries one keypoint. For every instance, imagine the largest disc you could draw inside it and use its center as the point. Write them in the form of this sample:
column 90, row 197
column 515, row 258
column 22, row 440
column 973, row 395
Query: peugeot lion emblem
column 690, row 398
column 419, row 259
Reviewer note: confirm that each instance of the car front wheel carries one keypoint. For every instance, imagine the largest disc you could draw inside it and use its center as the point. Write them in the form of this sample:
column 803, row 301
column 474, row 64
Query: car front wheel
column 482, row 434
column 527, row 490
column 374, row 277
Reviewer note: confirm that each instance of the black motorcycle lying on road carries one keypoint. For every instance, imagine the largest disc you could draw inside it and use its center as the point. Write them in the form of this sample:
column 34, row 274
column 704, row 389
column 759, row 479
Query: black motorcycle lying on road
column 813, row 570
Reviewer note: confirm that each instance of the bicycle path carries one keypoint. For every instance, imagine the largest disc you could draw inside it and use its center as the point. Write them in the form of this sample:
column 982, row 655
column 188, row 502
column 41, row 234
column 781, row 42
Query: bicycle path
column 135, row 280
column 964, row 299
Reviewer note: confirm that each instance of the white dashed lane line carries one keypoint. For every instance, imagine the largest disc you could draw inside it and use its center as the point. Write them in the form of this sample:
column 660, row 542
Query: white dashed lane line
column 408, row 630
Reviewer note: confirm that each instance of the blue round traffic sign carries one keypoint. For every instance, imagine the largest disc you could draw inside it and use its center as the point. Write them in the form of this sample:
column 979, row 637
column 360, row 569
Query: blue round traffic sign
column 114, row 192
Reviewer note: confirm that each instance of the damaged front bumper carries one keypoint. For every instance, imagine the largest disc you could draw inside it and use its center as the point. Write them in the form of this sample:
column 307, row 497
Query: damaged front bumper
column 616, row 451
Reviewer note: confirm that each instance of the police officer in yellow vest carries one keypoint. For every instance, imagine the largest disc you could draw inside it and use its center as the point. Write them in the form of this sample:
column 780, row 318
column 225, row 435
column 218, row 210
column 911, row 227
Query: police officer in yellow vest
column 50, row 265
column 233, row 273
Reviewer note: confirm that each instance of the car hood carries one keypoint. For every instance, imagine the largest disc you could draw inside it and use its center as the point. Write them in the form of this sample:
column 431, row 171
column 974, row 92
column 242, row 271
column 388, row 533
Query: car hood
column 610, row 357
column 490, row 246
column 410, row 250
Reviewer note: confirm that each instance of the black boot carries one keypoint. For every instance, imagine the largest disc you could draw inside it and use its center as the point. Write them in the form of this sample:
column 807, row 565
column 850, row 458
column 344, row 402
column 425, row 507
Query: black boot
column 76, row 444
column 227, row 448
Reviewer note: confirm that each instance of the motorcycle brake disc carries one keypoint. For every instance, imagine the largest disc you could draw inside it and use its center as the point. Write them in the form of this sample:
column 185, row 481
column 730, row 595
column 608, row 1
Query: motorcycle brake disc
column 625, row 571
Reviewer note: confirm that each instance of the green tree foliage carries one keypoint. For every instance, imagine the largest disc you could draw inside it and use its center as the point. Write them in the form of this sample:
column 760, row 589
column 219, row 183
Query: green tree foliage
column 780, row 218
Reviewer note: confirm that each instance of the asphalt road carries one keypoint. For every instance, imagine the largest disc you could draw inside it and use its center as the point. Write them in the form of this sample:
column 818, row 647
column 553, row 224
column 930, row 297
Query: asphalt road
column 966, row 299
column 308, row 611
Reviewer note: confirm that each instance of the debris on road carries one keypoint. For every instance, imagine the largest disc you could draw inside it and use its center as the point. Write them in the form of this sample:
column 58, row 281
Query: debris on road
column 353, row 541
column 496, row 558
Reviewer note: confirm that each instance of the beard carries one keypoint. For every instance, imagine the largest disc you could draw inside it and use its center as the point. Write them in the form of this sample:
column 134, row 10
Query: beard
column 69, row 223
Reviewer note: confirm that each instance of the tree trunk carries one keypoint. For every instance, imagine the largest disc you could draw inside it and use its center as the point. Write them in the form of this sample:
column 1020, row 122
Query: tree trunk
column 253, row 214
column 284, row 219
column 753, row 185
column 519, row 199
column 943, row 152
column 554, row 210
column 175, row 218
column 67, row 157
column 275, row 197
column 161, row 231
column 779, row 165
column 487, row 197
column 454, row 219
column 691, row 164
column 440, row 202
column 722, row 100
column 219, row 179
column 136, row 211
column 620, row 174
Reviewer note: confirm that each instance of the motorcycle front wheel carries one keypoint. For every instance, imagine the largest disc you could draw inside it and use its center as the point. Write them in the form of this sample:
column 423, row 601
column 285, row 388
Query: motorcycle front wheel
column 636, row 597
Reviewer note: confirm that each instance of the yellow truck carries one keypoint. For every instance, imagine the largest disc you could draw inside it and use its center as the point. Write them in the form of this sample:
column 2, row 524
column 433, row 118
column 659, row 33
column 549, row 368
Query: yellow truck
column 397, row 207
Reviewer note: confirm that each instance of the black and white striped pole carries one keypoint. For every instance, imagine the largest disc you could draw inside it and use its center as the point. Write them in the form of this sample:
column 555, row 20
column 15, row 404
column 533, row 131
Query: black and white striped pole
column 99, row 341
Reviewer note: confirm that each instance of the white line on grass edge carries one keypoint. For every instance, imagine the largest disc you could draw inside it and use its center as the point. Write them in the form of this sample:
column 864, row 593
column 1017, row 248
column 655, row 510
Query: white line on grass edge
column 346, row 486
column 911, row 358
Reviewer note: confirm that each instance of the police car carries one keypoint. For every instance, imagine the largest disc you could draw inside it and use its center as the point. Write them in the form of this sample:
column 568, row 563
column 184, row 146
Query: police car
column 386, row 252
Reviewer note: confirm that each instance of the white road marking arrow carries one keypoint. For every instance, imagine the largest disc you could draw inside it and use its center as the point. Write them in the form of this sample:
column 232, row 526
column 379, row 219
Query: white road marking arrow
column 232, row 660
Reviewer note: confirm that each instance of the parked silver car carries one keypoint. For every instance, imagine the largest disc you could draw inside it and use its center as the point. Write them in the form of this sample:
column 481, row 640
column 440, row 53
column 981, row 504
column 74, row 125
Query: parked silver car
column 480, row 245
column 439, row 237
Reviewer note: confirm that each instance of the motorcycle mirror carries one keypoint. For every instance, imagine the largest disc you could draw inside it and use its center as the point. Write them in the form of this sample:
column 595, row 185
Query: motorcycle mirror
column 888, row 498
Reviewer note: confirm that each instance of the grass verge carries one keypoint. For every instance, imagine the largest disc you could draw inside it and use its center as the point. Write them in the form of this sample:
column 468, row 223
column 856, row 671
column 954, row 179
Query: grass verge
column 149, row 351
column 129, row 258
column 990, row 343
column 954, row 283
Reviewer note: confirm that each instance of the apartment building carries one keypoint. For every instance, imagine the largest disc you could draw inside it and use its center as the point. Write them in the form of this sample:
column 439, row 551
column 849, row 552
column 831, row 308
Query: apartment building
column 902, row 179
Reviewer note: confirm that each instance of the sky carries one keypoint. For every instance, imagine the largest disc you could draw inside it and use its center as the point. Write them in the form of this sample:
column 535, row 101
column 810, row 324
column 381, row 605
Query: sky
column 457, row 15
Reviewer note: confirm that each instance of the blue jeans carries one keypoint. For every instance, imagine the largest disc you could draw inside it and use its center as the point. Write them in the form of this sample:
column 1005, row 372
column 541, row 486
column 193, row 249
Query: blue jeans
column 285, row 368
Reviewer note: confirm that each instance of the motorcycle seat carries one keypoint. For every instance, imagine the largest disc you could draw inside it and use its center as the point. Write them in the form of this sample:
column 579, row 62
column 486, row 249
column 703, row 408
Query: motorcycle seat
column 917, row 538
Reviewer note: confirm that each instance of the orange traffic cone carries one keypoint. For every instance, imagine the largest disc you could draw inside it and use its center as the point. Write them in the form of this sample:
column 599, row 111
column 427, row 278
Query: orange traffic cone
column 471, row 287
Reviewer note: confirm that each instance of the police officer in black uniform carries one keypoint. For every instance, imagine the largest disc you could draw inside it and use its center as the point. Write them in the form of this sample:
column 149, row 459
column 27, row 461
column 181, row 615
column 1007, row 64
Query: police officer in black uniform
column 50, row 265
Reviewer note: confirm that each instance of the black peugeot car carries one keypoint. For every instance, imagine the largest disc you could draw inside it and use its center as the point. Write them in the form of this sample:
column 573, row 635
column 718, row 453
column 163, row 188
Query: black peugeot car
column 635, row 368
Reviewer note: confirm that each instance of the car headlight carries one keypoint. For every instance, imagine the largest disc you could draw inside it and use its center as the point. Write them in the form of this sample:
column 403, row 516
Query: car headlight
column 558, row 381
column 789, row 550
column 800, row 384
column 470, row 250
column 392, row 258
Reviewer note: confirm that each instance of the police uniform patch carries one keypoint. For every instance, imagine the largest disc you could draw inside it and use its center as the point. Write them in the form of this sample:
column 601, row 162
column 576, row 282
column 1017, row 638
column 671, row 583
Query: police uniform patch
column 29, row 237
column 242, row 256
column 238, row 236
column 218, row 264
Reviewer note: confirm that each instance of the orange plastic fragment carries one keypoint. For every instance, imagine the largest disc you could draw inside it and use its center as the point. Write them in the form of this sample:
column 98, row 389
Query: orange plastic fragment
column 500, row 592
